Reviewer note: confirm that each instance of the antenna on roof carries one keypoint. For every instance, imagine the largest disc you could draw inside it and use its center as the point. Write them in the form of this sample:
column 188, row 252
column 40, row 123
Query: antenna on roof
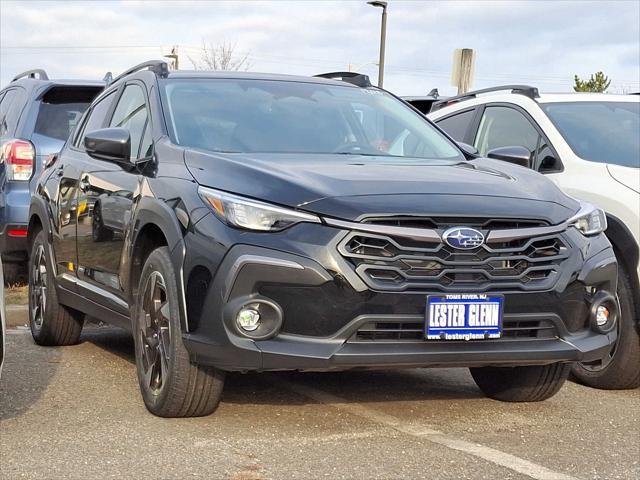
column 108, row 78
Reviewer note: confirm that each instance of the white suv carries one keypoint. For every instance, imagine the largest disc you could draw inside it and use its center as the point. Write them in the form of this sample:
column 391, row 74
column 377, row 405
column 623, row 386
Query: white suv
column 589, row 144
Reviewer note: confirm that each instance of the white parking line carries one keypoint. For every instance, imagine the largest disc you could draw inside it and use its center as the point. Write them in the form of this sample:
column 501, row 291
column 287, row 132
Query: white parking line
column 517, row 464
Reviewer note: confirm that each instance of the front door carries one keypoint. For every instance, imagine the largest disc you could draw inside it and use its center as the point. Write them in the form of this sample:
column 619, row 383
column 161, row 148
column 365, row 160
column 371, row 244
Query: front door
column 107, row 196
column 63, row 188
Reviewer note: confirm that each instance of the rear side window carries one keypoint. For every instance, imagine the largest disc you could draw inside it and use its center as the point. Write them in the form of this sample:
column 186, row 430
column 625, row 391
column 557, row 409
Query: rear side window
column 457, row 125
column 10, row 110
column 61, row 109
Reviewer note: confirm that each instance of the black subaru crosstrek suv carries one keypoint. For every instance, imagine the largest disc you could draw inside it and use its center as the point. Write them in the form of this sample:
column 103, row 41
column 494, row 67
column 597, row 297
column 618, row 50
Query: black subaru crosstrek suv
column 250, row 222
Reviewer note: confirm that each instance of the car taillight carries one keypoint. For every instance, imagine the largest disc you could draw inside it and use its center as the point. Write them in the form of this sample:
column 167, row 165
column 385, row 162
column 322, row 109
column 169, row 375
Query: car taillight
column 19, row 158
column 17, row 232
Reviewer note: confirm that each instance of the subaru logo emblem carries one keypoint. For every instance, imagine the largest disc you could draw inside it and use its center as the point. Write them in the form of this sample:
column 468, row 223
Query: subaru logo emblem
column 463, row 238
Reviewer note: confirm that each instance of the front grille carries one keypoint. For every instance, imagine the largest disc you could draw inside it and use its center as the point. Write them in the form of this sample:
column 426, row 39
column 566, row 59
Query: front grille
column 444, row 222
column 394, row 263
column 402, row 331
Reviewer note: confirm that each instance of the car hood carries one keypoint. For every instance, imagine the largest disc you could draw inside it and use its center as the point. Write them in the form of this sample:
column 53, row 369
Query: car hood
column 353, row 186
column 627, row 176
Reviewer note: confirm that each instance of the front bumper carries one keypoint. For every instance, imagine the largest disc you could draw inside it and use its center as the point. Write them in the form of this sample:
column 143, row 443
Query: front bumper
column 290, row 352
column 327, row 306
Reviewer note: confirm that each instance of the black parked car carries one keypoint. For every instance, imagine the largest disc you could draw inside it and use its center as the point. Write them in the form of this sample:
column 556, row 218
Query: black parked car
column 37, row 115
column 279, row 222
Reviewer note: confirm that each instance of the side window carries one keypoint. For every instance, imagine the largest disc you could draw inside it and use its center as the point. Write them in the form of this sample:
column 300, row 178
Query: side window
column 457, row 125
column 505, row 127
column 7, row 112
column 95, row 119
column 131, row 113
column 147, row 143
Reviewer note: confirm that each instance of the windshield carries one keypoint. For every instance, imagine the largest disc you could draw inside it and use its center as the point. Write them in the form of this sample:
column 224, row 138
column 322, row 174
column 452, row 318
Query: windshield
column 606, row 132
column 232, row 115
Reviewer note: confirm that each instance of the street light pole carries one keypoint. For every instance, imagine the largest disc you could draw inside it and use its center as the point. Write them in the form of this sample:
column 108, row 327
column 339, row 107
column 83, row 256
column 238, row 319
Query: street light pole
column 383, row 36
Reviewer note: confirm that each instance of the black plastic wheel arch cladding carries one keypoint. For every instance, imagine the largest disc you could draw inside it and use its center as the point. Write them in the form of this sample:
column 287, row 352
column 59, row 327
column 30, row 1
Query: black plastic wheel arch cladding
column 159, row 216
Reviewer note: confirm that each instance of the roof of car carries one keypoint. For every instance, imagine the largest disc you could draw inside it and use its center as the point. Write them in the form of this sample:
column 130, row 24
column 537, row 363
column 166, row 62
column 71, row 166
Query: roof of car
column 585, row 97
column 525, row 101
column 36, row 82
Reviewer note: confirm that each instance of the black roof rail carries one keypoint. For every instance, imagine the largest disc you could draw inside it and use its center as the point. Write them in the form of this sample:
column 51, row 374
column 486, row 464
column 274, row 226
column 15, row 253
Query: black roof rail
column 32, row 74
column 159, row 67
column 526, row 90
column 357, row 79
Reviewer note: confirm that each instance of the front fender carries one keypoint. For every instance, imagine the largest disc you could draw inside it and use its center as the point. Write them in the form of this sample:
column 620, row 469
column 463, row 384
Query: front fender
column 157, row 212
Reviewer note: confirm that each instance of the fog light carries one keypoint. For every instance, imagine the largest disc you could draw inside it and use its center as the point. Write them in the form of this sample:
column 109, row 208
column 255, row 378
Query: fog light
column 254, row 317
column 602, row 315
column 248, row 319
column 604, row 312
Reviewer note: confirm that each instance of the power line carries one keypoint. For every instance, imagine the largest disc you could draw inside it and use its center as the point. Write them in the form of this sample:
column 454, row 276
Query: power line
column 298, row 61
column 74, row 47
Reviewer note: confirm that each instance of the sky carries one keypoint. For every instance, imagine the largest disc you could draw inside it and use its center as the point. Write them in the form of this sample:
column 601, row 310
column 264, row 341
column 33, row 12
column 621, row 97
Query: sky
column 541, row 43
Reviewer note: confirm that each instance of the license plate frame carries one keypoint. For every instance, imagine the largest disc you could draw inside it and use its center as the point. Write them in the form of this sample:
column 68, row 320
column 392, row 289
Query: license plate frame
column 470, row 317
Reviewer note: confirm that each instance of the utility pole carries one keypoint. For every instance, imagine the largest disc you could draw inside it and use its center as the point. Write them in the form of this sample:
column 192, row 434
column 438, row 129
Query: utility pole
column 174, row 58
column 463, row 69
column 383, row 37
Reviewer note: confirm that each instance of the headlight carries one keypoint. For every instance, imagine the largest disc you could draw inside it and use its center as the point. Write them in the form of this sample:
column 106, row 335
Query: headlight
column 589, row 220
column 250, row 214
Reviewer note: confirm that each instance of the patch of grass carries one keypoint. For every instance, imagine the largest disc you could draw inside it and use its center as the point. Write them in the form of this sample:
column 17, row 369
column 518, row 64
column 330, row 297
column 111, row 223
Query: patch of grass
column 16, row 295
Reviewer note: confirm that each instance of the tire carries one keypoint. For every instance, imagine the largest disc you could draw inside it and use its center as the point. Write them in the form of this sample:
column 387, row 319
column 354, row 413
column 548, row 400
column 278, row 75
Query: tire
column 171, row 385
column 621, row 368
column 14, row 273
column 52, row 324
column 521, row 384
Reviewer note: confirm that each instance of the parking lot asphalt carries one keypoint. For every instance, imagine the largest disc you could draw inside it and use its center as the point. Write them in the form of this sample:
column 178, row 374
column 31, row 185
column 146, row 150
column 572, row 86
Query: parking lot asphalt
column 75, row 412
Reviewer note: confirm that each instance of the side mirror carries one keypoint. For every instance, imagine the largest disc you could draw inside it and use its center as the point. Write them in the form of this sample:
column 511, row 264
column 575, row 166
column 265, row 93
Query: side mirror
column 111, row 144
column 550, row 164
column 468, row 150
column 517, row 155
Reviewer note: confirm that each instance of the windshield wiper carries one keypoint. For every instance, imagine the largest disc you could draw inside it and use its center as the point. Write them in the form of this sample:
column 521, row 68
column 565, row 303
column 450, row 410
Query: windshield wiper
column 360, row 154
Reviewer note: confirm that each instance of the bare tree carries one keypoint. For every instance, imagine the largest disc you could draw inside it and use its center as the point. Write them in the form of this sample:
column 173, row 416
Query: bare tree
column 220, row 57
